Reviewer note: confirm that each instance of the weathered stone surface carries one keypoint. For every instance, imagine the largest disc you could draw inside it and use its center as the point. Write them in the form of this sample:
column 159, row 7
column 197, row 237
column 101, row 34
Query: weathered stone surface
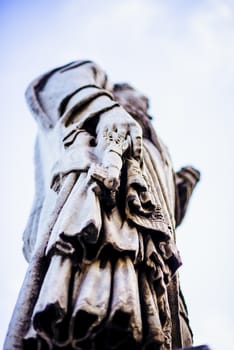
column 100, row 241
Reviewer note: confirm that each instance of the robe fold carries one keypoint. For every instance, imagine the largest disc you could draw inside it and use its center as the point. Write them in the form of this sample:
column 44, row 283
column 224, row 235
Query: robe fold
column 102, row 253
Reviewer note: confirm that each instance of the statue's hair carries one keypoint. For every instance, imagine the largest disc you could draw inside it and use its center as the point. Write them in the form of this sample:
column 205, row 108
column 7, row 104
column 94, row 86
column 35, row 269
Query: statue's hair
column 122, row 86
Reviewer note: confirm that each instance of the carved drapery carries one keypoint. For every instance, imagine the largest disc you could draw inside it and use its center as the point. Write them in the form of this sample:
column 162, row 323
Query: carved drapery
column 100, row 241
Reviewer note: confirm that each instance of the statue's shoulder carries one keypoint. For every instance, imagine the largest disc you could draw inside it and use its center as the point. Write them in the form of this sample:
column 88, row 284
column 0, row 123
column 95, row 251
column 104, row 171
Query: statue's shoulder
column 45, row 93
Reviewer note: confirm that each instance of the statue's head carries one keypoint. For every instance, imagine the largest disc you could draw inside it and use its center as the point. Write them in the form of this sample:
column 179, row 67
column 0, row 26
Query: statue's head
column 131, row 99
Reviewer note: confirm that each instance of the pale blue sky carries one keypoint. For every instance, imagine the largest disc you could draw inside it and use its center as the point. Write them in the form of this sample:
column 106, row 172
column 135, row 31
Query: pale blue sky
column 179, row 53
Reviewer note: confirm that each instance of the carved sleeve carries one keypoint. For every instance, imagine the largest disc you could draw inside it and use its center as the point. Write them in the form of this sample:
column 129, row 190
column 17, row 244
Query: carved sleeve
column 82, row 128
column 65, row 91
column 186, row 180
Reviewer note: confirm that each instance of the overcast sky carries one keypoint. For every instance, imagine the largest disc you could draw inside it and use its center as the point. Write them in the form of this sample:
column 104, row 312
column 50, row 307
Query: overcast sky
column 180, row 53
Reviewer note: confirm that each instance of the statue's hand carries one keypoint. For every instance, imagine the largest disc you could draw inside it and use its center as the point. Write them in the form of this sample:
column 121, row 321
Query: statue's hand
column 117, row 132
column 120, row 124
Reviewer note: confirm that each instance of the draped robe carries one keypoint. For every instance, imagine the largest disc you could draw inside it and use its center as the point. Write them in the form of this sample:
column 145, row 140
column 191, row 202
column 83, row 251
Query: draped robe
column 100, row 240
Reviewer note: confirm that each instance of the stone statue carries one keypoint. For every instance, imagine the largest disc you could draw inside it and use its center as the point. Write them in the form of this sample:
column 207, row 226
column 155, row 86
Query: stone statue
column 100, row 241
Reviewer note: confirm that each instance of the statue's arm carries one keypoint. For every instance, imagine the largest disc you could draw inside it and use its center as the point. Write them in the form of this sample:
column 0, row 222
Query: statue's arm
column 185, row 181
column 91, row 106
column 73, row 105
column 44, row 97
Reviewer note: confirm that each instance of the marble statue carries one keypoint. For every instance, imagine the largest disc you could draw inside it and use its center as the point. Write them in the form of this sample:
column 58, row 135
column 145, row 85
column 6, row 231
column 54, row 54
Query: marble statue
column 100, row 240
